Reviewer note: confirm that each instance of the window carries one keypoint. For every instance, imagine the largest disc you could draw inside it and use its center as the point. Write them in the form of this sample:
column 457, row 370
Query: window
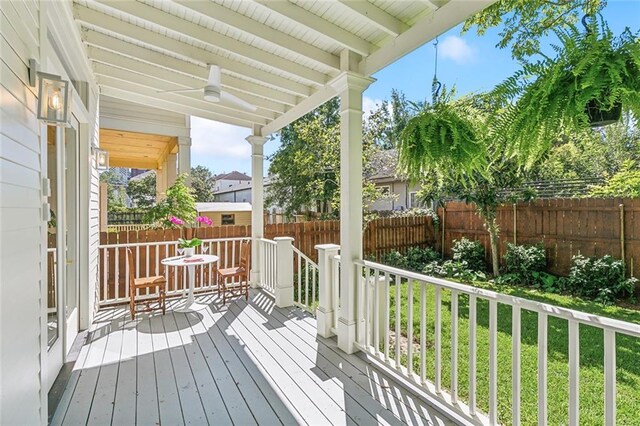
column 228, row 219
column 385, row 190
column 413, row 200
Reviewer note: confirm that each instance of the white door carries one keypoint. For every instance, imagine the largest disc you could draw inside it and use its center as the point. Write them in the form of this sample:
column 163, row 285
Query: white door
column 63, row 303
column 56, row 324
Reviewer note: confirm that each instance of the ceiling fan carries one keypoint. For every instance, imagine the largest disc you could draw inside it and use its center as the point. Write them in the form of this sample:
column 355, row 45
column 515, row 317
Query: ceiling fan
column 212, row 92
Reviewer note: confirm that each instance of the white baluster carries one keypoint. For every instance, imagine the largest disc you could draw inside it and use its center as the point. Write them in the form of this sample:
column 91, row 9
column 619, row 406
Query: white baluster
column 609, row 377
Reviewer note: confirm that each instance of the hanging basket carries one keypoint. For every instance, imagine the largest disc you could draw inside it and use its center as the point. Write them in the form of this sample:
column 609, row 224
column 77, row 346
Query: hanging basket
column 599, row 117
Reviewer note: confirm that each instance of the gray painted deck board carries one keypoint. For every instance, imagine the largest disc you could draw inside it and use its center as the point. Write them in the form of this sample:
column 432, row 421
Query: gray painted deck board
column 242, row 364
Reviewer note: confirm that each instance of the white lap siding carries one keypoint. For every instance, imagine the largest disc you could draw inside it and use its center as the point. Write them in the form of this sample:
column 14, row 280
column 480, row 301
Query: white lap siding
column 21, row 224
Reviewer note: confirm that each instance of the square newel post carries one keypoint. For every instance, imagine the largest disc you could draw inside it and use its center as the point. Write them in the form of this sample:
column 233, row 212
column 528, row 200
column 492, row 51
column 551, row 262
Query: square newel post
column 284, row 272
column 257, row 202
column 325, row 313
column 349, row 86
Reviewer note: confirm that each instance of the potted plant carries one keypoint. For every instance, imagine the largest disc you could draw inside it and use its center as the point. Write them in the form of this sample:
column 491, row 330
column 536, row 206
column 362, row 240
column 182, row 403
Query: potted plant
column 443, row 133
column 591, row 80
column 189, row 246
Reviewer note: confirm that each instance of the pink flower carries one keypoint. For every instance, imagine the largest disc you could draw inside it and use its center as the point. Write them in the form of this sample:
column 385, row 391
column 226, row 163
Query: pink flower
column 205, row 220
column 176, row 221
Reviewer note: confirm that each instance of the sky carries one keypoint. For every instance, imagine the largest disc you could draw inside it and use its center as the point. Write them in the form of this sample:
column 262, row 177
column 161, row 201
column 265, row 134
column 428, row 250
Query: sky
column 472, row 63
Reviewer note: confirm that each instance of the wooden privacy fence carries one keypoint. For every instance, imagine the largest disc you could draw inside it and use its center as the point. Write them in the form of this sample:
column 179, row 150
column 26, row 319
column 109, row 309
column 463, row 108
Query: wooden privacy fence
column 566, row 227
column 380, row 237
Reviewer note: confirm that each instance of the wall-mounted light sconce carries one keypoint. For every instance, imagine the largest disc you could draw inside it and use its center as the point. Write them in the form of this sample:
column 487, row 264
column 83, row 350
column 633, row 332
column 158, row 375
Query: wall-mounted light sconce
column 102, row 158
column 53, row 99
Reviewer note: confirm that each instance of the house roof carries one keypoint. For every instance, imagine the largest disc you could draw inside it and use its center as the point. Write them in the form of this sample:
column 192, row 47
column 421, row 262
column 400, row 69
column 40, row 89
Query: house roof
column 242, row 186
column 223, row 207
column 384, row 165
column 283, row 57
column 234, row 175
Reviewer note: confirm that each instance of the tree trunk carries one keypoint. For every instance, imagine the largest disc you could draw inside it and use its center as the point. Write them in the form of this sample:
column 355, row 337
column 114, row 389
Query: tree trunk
column 493, row 239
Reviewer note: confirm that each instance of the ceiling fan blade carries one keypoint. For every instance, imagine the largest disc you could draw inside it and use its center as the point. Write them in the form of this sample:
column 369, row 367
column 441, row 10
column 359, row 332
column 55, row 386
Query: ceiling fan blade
column 214, row 76
column 179, row 90
column 232, row 99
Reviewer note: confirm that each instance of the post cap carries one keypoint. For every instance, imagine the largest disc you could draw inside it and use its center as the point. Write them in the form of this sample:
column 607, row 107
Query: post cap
column 327, row 247
column 283, row 239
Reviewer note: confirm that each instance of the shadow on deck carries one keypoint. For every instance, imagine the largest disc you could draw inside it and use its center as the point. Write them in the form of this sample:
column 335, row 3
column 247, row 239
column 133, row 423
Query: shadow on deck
column 246, row 363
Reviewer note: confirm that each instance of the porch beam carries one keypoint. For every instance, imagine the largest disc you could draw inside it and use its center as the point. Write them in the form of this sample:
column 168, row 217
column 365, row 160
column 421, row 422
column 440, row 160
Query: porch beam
column 320, row 26
column 181, row 49
column 257, row 141
column 223, row 42
column 197, row 97
column 169, row 105
column 264, row 32
column 350, row 87
column 376, row 16
column 122, row 84
column 100, row 44
column 432, row 25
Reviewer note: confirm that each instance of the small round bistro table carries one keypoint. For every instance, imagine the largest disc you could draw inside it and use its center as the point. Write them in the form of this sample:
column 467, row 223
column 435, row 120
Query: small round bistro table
column 191, row 263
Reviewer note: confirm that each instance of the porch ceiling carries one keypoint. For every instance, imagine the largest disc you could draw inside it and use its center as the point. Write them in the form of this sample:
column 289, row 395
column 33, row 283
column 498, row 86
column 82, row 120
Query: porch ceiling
column 137, row 150
column 277, row 55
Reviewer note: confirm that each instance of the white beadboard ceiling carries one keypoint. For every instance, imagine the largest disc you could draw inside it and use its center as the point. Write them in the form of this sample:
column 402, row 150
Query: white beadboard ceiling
column 275, row 54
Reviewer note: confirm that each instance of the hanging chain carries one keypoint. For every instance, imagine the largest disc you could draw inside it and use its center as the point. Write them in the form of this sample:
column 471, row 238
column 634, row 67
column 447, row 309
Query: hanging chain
column 435, row 85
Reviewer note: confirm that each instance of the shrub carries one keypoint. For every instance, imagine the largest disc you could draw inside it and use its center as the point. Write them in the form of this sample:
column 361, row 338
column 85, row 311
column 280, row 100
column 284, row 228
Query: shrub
column 395, row 258
column 601, row 279
column 525, row 262
column 418, row 257
column 471, row 252
column 415, row 259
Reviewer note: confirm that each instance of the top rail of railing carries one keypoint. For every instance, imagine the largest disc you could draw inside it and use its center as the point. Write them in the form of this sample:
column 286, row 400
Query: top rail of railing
column 618, row 326
column 156, row 243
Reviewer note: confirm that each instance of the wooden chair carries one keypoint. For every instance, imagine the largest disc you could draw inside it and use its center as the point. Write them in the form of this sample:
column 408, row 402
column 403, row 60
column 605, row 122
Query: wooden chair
column 159, row 282
column 240, row 272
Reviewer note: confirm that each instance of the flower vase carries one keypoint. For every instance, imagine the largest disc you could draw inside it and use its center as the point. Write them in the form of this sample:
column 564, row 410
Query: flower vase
column 189, row 251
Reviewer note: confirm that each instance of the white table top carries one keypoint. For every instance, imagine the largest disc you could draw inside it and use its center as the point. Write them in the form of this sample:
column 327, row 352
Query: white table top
column 180, row 260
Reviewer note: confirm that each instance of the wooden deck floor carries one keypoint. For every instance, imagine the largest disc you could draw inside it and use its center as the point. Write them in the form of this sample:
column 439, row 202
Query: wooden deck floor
column 243, row 364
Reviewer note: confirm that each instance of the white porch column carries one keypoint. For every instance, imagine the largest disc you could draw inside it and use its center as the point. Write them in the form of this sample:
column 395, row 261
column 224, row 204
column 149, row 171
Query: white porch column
column 350, row 86
column 325, row 313
column 257, row 202
column 172, row 169
column 184, row 156
column 161, row 182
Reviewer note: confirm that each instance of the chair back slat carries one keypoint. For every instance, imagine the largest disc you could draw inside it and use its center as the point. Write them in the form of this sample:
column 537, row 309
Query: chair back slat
column 245, row 254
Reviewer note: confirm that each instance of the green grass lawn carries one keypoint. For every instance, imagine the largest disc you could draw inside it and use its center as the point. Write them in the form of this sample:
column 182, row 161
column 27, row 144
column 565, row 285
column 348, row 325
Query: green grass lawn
column 591, row 356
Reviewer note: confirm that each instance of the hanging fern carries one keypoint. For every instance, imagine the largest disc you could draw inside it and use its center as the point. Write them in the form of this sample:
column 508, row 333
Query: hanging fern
column 593, row 68
column 443, row 135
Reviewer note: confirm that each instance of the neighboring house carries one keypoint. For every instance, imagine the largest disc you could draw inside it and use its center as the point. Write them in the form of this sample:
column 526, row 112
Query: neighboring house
column 228, row 180
column 398, row 193
column 226, row 213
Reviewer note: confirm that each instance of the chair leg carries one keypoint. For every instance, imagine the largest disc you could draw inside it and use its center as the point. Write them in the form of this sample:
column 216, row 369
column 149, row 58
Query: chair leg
column 163, row 301
column 132, row 304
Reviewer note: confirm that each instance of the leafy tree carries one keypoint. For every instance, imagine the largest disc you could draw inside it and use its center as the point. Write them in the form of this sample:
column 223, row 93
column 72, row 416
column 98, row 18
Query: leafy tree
column 589, row 154
column 202, row 181
column 305, row 169
column 142, row 191
column 116, row 196
column 524, row 23
column 624, row 184
column 387, row 121
column 179, row 202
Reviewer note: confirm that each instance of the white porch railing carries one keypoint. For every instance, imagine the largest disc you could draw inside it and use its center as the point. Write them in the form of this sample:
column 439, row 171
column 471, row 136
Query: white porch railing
column 404, row 348
column 305, row 281
column 114, row 268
